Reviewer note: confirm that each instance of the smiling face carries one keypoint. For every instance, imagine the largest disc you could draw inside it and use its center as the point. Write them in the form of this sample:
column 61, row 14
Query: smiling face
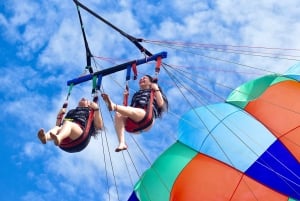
column 145, row 82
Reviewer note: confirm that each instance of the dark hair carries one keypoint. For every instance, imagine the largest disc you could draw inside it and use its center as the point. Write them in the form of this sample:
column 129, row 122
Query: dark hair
column 153, row 80
column 166, row 102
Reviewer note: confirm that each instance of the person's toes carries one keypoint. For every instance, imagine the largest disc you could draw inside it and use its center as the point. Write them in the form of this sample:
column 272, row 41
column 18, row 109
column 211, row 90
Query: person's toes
column 55, row 139
column 107, row 101
column 121, row 148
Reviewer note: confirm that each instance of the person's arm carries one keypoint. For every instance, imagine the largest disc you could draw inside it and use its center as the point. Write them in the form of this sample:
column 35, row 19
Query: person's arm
column 60, row 116
column 157, row 94
column 98, row 123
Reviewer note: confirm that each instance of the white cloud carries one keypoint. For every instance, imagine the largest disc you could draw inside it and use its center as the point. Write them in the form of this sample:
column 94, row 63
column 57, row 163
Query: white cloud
column 23, row 12
column 64, row 47
column 32, row 150
column 50, row 33
column 3, row 21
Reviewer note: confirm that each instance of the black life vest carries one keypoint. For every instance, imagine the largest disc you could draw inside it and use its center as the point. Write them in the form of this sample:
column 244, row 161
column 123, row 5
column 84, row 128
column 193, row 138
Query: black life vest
column 142, row 99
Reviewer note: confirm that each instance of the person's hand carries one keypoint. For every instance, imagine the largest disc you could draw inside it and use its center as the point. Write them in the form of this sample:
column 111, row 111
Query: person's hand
column 126, row 92
column 154, row 86
column 62, row 111
column 93, row 105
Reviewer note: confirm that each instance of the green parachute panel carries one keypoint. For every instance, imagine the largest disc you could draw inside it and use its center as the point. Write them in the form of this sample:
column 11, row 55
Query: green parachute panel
column 253, row 89
column 156, row 183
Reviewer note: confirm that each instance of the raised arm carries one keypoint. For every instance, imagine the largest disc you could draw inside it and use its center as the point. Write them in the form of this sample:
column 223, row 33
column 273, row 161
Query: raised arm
column 97, row 118
column 60, row 116
column 158, row 95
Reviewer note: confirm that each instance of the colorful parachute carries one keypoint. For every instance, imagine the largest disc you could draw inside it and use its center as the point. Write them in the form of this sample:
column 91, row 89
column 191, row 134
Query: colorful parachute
column 247, row 148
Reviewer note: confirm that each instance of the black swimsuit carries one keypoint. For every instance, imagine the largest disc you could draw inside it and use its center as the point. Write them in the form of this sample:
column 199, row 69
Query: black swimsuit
column 141, row 99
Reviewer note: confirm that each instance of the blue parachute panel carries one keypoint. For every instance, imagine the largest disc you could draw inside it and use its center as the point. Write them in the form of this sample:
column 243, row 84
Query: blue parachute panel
column 133, row 197
column 226, row 133
column 278, row 169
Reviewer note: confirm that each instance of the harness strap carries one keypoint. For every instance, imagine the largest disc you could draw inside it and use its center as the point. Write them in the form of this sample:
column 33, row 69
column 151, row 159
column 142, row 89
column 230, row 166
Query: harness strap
column 157, row 68
column 134, row 69
column 89, row 123
column 158, row 64
column 126, row 92
column 85, row 134
column 77, row 145
column 90, row 118
column 65, row 106
column 125, row 95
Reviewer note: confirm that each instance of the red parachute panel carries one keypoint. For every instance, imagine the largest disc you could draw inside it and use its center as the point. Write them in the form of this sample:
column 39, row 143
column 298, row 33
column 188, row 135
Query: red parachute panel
column 205, row 178
column 273, row 109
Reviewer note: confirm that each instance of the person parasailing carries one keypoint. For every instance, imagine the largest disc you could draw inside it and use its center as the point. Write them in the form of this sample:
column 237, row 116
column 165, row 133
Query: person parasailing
column 148, row 103
column 137, row 115
column 71, row 133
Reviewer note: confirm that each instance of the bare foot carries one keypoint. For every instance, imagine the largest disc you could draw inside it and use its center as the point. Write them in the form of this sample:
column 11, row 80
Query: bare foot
column 55, row 139
column 111, row 106
column 121, row 148
column 42, row 136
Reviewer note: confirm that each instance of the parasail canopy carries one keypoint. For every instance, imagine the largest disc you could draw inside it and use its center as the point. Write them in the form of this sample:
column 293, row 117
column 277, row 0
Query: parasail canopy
column 246, row 148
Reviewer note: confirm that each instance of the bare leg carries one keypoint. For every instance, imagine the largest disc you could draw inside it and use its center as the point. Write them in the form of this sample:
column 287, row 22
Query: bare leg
column 133, row 113
column 68, row 129
column 44, row 137
column 54, row 130
column 136, row 114
column 122, row 113
column 120, row 129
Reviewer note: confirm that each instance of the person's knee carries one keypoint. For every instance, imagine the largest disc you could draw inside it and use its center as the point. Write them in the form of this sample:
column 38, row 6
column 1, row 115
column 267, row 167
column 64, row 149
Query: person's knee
column 118, row 116
column 119, row 119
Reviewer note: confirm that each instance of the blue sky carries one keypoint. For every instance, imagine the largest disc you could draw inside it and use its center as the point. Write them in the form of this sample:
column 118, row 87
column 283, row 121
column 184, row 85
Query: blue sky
column 42, row 48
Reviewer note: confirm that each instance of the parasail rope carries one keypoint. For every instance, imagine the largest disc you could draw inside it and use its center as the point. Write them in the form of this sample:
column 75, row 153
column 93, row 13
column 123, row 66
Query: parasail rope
column 105, row 164
column 111, row 163
column 134, row 40
column 86, row 45
column 237, row 185
column 241, row 50
column 211, row 45
column 127, row 168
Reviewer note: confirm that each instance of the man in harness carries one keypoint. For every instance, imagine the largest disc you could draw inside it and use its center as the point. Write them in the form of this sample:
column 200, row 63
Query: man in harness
column 147, row 104
column 73, row 127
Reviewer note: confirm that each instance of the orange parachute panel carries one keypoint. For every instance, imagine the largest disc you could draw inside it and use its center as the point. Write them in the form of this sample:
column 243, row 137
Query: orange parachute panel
column 273, row 109
column 249, row 189
column 205, row 178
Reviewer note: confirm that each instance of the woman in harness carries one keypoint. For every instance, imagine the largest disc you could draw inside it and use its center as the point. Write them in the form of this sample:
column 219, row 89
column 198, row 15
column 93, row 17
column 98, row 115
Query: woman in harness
column 138, row 113
column 69, row 134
